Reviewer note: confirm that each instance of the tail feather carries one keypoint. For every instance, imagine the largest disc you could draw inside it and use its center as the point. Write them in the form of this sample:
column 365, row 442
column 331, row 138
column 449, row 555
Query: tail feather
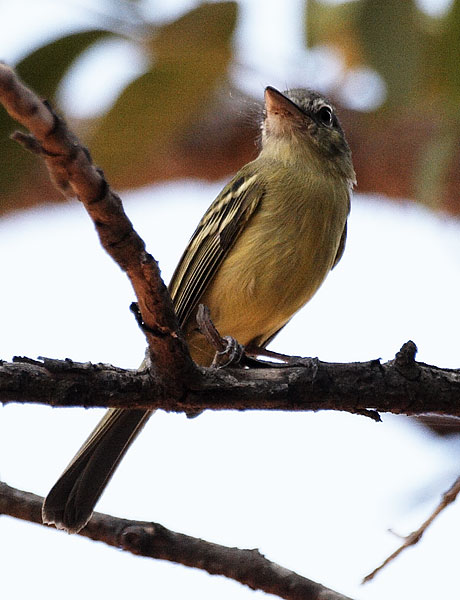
column 71, row 501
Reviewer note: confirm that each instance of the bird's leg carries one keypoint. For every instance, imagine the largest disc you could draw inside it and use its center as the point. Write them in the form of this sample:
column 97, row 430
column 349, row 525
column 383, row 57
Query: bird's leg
column 228, row 351
column 252, row 350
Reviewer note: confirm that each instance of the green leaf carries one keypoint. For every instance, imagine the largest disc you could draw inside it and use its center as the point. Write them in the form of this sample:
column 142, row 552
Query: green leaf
column 15, row 160
column 432, row 167
column 393, row 40
column 44, row 68
column 330, row 23
column 206, row 30
column 192, row 55
column 441, row 61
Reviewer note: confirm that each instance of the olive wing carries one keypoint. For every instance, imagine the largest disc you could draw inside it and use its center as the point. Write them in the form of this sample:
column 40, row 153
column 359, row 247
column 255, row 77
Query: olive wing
column 216, row 233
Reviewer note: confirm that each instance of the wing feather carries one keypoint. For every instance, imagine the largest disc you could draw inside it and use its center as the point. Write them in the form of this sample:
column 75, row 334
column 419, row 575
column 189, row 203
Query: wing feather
column 215, row 235
column 341, row 248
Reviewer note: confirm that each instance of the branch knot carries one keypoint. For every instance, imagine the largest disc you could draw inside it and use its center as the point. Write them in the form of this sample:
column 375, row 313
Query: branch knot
column 405, row 361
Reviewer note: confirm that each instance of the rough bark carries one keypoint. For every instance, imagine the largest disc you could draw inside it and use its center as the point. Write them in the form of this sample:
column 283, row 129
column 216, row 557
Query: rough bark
column 401, row 386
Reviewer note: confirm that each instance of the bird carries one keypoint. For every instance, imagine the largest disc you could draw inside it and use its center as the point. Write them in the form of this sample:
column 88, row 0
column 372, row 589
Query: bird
column 260, row 252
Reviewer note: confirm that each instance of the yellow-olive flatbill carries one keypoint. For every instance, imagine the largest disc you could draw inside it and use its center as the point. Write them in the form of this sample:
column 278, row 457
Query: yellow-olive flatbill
column 259, row 253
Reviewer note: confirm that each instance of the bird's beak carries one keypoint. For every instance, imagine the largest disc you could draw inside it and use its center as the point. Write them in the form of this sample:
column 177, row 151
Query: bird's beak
column 276, row 103
column 281, row 113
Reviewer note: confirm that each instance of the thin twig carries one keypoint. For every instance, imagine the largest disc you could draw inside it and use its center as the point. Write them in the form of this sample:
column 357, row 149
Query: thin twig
column 413, row 538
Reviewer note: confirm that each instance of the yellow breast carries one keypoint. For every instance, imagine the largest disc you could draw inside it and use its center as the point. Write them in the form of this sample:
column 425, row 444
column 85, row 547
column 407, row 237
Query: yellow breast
column 279, row 260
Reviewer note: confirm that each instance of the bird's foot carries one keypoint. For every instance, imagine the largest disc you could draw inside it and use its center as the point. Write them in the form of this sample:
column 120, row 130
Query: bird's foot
column 229, row 352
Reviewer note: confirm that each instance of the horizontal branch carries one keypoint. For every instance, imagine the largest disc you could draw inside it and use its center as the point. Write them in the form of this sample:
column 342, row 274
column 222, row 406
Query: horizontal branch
column 401, row 385
column 152, row 540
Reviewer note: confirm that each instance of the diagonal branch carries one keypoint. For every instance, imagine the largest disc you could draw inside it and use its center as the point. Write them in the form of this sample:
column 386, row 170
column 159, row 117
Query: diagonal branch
column 72, row 170
column 152, row 540
column 413, row 538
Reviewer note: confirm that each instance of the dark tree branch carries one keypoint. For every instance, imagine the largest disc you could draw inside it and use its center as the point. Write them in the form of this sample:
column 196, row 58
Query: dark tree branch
column 152, row 540
column 74, row 173
column 401, row 386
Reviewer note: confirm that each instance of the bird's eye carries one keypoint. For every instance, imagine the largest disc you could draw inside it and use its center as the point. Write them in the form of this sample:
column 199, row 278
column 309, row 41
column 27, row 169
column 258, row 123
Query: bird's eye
column 325, row 116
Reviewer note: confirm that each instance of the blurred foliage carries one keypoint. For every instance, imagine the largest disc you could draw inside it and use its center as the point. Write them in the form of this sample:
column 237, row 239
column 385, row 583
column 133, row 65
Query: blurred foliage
column 190, row 58
column 417, row 57
column 392, row 42
column 416, row 130
column 416, row 54
column 43, row 70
